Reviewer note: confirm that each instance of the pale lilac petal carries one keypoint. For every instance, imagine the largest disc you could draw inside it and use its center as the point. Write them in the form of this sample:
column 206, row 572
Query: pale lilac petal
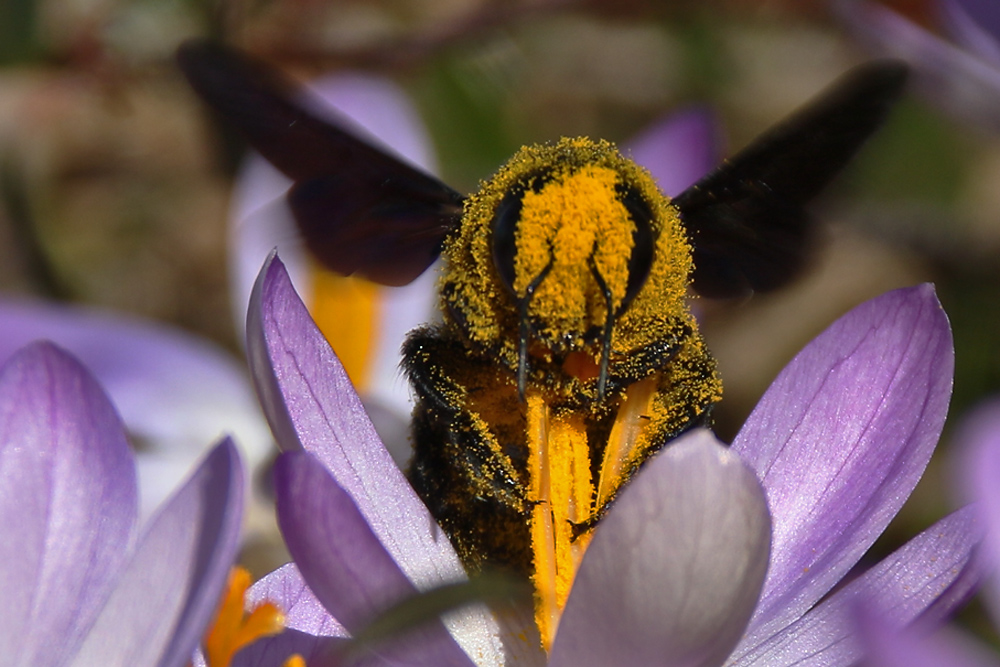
column 955, row 80
column 336, row 552
column 887, row 646
column 980, row 479
column 176, row 393
column 840, row 439
column 309, row 631
column 679, row 149
column 344, row 563
column 673, row 572
column 310, row 403
column 927, row 578
column 974, row 25
column 168, row 593
column 275, row 651
column 68, row 504
column 286, row 588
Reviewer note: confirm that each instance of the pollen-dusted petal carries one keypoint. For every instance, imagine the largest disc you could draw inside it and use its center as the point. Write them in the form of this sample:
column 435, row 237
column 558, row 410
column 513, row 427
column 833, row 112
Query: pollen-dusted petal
column 679, row 149
column 311, row 404
column 167, row 594
column 344, row 562
column 673, row 572
column 928, row 578
column 68, row 504
column 840, row 439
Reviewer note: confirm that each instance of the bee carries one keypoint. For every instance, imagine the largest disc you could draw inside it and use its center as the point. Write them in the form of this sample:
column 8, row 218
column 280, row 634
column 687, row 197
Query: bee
column 566, row 354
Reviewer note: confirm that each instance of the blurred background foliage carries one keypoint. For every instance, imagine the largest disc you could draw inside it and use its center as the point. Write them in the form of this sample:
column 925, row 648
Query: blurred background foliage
column 114, row 182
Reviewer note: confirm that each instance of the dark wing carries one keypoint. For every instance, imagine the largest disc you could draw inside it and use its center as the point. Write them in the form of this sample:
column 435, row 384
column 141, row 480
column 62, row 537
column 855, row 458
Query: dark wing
column 746, row 220
column 359, row 209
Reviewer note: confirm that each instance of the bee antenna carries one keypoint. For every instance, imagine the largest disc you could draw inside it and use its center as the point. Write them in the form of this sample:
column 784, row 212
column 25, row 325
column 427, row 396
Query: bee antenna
column 609, row 320
column 524, row 330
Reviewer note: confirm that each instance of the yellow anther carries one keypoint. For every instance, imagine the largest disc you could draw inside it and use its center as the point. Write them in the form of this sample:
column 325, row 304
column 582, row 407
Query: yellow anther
column 232, row 629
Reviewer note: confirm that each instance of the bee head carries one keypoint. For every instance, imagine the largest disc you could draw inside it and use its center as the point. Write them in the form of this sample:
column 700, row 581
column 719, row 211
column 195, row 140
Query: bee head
column 561, row 255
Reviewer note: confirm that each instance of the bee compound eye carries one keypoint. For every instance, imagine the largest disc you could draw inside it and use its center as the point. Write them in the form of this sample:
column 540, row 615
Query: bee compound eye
column 504, row 240
column 640, row 262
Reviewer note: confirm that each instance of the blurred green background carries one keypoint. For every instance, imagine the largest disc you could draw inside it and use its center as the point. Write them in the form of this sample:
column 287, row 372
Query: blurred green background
column 115, row 182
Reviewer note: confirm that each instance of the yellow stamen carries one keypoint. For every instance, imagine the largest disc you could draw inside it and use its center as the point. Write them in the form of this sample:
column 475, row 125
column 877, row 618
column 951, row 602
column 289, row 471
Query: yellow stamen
column 345, row 310
column 294, row 661
column 231, row 629
column 562, row 492
column 625, row 444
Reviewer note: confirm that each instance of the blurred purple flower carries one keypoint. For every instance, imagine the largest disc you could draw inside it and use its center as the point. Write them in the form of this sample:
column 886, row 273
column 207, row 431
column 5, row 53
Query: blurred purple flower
column 80, row 586
column 176, row 392
column 979, row 480
column 961, row 76
column 674, row 573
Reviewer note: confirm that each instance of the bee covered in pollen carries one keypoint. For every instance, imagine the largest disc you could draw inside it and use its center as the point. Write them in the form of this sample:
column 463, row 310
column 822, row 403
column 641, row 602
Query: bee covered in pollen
column 566, row 355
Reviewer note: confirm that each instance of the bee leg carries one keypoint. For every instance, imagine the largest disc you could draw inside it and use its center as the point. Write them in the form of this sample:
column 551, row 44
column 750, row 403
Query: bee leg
column 459, row 468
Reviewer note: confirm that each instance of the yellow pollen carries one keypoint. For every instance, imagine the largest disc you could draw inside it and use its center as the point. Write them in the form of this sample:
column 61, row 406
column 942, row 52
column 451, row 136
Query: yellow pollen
column 577, row 224
column 562, row 493
column 232, row 629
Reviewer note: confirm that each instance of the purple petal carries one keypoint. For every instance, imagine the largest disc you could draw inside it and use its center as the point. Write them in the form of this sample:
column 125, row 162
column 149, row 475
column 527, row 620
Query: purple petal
column 673, row 573
column 310, row 403
column 840, row 439
column 275, row 651
column 887, row 646
column 67, row 503
column 168, row 593
column 175, row 392
column 980, row 478
column 286, row 588
column 343, row 561
column 679, row 149
column 927, row 578
column 957, row 81
column 974, row 24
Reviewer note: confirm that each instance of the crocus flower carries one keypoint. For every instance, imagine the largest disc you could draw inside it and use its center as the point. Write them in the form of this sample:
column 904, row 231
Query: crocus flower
column 960, row 75
column 80, row 585
column 979, row 478
column 176, row 392
column 674, row 573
